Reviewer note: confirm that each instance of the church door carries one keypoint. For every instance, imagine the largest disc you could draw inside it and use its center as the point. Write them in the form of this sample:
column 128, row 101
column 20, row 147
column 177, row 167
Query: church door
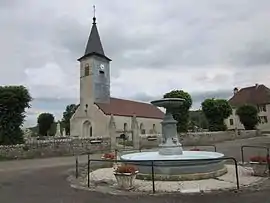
column 87, row 129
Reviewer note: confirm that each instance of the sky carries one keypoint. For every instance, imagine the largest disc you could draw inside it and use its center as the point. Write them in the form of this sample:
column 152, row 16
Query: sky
column 204, row 47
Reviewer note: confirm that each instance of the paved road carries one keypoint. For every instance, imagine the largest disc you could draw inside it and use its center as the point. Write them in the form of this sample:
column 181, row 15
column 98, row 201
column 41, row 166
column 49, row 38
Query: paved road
column 44, row 180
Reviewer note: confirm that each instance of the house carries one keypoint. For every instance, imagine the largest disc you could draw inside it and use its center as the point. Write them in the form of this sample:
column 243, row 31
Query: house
column 258, row 95
column 97, row 109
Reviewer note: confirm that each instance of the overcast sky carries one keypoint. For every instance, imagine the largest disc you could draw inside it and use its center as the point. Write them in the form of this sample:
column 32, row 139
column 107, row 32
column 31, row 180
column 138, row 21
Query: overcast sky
column 204, row 47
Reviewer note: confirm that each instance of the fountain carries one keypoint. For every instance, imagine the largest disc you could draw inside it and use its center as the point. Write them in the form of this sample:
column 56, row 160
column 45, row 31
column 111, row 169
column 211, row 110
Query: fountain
column 171, row 162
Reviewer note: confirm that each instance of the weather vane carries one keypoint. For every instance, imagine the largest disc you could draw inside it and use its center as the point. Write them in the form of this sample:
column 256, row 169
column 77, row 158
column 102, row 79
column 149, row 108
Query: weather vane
column 94, row 18
column 94, row 9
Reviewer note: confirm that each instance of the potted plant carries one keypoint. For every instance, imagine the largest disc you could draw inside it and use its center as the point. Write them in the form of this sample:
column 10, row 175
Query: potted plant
column 109, row 156
column 125, row 176
column 259, row 165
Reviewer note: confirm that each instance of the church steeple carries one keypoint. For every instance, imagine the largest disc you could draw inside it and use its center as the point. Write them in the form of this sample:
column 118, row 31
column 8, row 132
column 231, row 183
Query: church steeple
column 94, row 46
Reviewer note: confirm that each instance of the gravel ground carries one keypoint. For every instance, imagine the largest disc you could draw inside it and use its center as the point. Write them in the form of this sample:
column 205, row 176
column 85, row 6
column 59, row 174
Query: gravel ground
column 227, row 181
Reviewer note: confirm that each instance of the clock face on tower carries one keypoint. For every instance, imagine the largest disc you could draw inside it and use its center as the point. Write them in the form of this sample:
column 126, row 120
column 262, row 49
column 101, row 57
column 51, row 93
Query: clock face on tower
column 101, row 67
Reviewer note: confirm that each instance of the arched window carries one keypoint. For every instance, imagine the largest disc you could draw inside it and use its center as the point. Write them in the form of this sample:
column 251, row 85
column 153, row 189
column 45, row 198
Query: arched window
column 142, row 128
column 87, row 70
column 154, row 129
column 125, row 127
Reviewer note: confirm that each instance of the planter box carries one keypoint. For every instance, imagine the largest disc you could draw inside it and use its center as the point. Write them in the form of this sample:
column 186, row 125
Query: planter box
column 125, row 180
column 259, row 169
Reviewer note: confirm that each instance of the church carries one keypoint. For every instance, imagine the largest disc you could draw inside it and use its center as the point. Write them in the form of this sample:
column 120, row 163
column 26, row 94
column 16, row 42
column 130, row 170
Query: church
column 97, row 109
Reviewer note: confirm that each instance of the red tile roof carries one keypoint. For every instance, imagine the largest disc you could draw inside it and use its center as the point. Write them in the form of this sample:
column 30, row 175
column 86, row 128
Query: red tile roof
column 122, row 107
column 258, row 94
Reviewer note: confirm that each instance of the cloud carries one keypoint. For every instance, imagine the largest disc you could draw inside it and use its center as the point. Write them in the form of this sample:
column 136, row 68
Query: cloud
column 203, row 47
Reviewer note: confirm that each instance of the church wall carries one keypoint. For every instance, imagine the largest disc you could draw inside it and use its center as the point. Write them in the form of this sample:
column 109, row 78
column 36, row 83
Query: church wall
column 100, row 123
column 97, row 118
column 147, row 123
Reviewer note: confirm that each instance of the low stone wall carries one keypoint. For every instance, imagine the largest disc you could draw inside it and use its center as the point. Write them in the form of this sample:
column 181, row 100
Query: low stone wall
column 52, row 148
column 215, row 137
column 204, row 138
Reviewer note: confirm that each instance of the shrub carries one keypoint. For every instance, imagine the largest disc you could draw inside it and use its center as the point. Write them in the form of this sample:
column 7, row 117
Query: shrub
column 126, row 169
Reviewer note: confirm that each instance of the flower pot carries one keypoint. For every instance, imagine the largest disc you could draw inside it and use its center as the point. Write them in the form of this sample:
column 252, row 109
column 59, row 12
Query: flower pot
column 125, row 180
column 259, row 169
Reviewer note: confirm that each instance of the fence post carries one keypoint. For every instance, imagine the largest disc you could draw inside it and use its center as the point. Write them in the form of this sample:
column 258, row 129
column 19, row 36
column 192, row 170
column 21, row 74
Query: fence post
column 242, row 154
column 88, row 175
column 77, row 165
column 236, row 173
column 268, row 161
column 153, row 177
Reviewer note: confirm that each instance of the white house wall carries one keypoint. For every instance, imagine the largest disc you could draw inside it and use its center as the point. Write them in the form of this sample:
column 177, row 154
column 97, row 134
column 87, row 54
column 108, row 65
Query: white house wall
column 238, row 125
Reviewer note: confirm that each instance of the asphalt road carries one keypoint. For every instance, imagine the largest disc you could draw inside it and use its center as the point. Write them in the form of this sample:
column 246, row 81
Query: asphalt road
column 44, row 180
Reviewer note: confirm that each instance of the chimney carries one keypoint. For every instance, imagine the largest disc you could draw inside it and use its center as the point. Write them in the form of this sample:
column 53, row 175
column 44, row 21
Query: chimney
column 235, row 90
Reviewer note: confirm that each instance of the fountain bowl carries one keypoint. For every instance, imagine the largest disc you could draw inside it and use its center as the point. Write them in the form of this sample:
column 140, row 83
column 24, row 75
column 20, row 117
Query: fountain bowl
column 168, row 102
column 191, row 165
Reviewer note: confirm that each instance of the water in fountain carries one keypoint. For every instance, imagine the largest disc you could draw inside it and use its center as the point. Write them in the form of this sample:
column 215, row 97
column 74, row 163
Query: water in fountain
column 171, row 162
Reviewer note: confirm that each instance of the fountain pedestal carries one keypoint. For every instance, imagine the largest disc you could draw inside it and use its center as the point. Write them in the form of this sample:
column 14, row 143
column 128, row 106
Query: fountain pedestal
column 170, row 144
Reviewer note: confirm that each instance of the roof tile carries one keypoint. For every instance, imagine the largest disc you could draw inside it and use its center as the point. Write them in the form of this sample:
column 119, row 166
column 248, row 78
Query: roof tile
column 122, row 107
column 258, row 94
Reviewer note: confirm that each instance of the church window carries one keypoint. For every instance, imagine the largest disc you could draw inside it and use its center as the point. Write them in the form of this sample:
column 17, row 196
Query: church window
column 142, row 128
column 154, row 128
column 87, row 70
column 125, row 127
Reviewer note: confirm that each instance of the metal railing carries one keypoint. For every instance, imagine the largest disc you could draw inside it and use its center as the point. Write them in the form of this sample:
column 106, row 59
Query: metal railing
column 209, row 145
column 141, row 163
column 256, row 147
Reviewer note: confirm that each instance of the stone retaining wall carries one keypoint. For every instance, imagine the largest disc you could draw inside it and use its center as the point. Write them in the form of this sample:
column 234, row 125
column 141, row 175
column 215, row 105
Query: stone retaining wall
column 68, row 147
column 52, row 148
column 215, row 137
column 204, row 138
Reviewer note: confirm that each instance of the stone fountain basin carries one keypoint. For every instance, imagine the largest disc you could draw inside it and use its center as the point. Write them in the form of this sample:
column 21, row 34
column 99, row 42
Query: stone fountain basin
column 191, row 165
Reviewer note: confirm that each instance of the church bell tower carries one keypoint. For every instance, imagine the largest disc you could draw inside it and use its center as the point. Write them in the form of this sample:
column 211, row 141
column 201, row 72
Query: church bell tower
column 94, row 71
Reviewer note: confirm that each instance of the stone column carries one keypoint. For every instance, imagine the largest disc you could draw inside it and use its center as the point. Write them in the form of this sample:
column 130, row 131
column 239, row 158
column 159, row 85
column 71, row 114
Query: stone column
column 112, row 132
column 135, row 132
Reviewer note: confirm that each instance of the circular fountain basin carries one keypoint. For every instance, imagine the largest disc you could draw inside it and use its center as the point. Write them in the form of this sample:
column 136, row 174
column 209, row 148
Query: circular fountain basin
column 191, row 165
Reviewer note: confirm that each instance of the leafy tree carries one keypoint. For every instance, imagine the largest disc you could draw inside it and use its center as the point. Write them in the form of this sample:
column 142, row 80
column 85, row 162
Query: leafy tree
column 216, row 110
column 198, row 118
column 45, row 121
column 248, row 115
column 181, row 114
column 13, row 102
column 68, row 113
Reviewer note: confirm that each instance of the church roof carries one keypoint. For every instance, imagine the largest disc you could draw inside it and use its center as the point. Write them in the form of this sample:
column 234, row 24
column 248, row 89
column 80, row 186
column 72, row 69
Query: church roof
column 94, row 46
column 122, row 107
column 256, row 95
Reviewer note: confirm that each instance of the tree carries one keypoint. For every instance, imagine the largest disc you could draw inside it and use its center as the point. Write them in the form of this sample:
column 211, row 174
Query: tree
column 198, row 118
column 216, row 111
column 13, row 102
column 181, row 114
column 248, row 115
column 68, row 113
column 45, row 121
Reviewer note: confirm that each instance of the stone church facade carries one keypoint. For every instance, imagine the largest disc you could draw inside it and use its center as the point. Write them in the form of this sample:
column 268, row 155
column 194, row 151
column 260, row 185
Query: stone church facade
column 98, row 112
